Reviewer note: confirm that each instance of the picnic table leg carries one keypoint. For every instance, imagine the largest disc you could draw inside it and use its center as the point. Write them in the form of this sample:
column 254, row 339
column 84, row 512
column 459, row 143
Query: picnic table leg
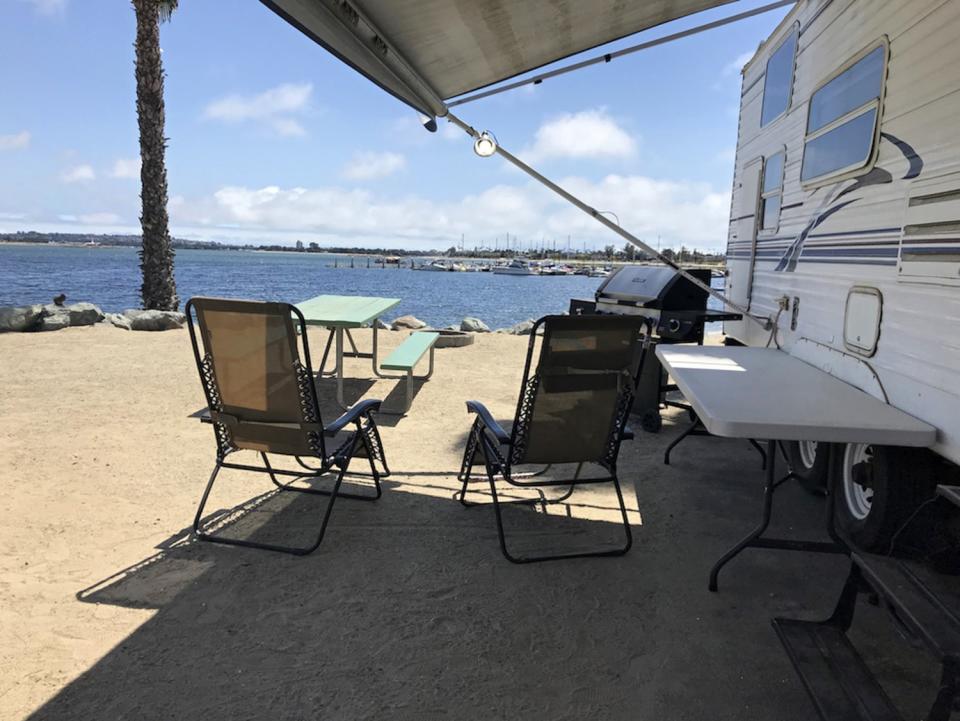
column 339, row 368
column 326, row 352
column 768, row 488
column 375, row 362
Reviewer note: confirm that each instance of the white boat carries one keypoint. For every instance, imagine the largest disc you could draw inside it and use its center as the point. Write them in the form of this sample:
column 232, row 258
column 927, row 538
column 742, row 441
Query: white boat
column 515, row 267
column 434, row 265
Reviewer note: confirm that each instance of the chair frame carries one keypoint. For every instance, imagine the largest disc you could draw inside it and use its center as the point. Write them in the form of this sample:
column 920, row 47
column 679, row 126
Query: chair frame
column 497, row 446
column 360, row 416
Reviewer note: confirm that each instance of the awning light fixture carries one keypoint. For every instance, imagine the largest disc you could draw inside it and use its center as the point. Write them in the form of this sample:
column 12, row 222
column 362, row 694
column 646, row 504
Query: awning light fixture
column 485, row 145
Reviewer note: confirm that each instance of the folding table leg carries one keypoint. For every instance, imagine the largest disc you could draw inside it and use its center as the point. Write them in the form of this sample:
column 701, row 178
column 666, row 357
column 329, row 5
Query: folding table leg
column 755, row 538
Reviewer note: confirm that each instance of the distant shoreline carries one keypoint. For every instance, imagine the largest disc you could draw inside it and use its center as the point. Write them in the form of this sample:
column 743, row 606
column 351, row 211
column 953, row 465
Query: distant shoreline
column 358, row 253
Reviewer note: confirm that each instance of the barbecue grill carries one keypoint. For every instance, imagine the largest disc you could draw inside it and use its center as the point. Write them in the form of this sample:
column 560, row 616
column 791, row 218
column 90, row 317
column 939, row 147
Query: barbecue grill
column 675, row 310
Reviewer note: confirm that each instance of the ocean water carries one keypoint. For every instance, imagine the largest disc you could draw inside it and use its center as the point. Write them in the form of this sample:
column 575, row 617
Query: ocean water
column 110, row 278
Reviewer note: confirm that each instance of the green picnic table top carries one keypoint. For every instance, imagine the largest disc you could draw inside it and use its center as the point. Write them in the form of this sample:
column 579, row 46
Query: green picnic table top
column 344, row 311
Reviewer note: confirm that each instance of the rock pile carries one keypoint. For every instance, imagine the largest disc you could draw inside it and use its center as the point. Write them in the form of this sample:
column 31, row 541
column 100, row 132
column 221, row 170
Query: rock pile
column 55, row 317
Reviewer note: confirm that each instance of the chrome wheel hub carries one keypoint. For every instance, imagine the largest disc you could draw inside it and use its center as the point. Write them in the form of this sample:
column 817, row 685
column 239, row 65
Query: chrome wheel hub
column 859, row 497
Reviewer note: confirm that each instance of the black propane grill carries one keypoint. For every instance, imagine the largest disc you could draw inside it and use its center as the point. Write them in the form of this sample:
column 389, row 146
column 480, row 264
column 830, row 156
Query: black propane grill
column 675, row 310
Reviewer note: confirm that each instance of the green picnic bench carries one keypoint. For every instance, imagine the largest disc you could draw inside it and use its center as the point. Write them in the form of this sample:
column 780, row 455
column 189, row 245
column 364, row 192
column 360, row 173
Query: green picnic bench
column 406, row 355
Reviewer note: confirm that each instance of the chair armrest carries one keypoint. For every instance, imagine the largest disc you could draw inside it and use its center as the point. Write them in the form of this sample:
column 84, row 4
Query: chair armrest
column 495, row 428
column 363, row 408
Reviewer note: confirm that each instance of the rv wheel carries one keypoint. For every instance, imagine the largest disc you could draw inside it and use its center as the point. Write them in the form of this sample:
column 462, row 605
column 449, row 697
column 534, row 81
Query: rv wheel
column 808, row 461
column 879, row 489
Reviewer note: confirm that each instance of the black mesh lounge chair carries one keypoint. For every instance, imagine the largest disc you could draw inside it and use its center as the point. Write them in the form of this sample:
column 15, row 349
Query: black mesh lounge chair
column 261, row 397
column 572, row 409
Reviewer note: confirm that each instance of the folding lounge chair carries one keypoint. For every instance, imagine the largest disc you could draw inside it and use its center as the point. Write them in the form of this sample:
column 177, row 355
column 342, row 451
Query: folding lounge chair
column 262, row 397
column 572, row 409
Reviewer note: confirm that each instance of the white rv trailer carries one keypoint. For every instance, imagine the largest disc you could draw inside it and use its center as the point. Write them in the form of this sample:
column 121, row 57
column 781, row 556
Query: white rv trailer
column 845, row 222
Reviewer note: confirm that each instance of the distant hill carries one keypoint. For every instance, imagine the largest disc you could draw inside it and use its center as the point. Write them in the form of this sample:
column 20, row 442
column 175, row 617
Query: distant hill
column 31, row 236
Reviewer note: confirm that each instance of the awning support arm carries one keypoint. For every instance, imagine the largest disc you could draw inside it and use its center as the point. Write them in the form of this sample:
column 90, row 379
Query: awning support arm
column 600, row 218
column 607, row 57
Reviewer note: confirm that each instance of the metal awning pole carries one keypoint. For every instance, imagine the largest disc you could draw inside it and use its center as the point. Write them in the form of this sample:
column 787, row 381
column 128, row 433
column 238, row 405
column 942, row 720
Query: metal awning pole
column 598, row 216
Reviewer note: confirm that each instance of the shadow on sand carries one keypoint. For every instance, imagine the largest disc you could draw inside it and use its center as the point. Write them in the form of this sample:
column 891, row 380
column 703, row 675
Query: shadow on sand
column 383, row 621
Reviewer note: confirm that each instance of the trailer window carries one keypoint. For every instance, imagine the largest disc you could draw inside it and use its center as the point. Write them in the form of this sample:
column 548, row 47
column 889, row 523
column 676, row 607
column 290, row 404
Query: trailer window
column 772, row 191
column 778, row 80
column 842, row 120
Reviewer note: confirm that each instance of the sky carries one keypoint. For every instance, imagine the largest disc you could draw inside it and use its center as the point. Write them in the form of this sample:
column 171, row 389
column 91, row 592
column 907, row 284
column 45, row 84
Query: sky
column 271, row 139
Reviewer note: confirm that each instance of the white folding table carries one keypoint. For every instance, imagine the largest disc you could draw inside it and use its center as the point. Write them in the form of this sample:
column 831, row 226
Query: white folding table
column 765, row 393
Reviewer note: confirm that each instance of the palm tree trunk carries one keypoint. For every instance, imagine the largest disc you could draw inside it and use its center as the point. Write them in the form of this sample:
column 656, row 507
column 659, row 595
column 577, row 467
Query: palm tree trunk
column 159, row 289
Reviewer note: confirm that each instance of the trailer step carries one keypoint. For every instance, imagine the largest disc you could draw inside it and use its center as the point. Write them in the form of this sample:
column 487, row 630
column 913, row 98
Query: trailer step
column 838, row 681
column 951, row 493
column 926, row 602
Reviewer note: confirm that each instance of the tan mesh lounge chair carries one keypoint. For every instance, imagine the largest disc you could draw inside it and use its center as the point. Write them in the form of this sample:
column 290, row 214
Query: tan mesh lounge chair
column 261, row 397
column 572, row 409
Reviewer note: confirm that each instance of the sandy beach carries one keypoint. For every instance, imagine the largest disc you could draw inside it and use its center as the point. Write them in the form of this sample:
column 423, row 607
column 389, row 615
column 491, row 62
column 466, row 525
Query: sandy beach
column 108, row 609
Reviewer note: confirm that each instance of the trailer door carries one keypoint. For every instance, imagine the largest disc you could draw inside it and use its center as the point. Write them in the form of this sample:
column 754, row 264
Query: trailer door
column 740, row 283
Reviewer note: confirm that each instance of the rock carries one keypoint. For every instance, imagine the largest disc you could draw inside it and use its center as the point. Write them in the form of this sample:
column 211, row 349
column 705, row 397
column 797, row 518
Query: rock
column 19, row 318
column 524, row 327
column 452, row 327
column 118, row 320
column 154, row 319
column 474, row 325
column 380, row 325
column 408, row 322
column 54, row 318
column 83, row 314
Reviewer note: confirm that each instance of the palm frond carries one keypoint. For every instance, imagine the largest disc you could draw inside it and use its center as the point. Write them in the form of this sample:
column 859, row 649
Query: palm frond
column 165, row 9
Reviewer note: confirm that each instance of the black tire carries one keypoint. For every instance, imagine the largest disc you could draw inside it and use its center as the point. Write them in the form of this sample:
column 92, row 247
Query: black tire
column 901, row 480
column 651, row 421
column 813, row 477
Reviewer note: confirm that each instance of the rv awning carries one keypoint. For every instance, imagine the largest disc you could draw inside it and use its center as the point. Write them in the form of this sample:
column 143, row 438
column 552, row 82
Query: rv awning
column 427, row 51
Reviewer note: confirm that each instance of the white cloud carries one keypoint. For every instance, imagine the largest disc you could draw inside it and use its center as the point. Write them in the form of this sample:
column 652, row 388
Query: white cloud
column 681, row 212
column 736, row 65
column 126, row 168
column 78, row 174
column 449, row 131
column 48, row 7
column 17, row 141
column 726, row 156
column 370, row 165
column 587, row 134
column 13, row 216
column 272, row 108
column 99, row 218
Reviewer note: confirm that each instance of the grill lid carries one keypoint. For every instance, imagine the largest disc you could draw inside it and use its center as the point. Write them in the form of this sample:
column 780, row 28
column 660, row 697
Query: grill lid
column 654, row 287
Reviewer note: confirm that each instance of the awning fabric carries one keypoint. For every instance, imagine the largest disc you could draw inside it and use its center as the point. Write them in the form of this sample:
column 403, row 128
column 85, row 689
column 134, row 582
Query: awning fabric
column 427, row 51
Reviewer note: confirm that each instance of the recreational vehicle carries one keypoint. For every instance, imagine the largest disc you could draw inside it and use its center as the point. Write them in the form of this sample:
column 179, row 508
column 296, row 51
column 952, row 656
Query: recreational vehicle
column 845, row 228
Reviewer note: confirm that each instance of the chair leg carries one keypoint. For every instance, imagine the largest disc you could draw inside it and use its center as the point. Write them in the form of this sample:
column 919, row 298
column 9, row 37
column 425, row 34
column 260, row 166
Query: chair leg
column 317, row 491
column 294, row 550
column 491, row 477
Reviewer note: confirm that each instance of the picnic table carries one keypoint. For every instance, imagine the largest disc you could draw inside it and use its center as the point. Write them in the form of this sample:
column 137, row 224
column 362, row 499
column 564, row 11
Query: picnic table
column 340, row 313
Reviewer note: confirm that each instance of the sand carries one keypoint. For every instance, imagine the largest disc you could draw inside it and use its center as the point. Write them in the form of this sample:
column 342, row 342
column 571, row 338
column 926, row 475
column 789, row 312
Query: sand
column 108, row 609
